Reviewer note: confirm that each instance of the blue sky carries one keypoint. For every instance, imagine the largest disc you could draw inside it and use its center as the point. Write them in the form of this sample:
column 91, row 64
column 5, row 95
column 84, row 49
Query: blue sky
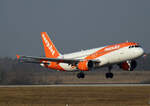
column 79, row 24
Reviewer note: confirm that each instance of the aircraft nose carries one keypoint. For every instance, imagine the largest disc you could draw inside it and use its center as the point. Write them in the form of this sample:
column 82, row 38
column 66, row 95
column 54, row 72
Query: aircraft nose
column 140, row 52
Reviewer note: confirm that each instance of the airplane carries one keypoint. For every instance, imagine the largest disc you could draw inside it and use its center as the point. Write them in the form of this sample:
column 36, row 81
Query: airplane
column 123, row 54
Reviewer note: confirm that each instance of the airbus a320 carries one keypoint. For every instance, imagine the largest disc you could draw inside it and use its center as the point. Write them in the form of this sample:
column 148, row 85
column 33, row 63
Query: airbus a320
column 123, row 54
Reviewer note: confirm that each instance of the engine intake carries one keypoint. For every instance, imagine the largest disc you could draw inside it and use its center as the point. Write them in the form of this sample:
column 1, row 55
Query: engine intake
column 128, row 65
column 85, row 65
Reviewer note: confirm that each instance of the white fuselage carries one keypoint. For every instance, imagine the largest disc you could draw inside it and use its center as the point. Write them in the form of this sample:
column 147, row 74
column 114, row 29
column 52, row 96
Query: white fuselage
column 113, row 57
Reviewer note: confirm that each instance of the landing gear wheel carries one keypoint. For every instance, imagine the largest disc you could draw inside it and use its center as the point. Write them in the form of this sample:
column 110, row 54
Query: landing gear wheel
column 109, row 75
column 80, row 75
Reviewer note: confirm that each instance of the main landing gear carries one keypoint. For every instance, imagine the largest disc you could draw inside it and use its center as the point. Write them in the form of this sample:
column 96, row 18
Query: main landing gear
column 109, row 74
column 80, row 75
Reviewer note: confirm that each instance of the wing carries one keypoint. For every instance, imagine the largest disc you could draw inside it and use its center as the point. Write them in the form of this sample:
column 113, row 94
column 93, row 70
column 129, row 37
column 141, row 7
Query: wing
column 31, row 59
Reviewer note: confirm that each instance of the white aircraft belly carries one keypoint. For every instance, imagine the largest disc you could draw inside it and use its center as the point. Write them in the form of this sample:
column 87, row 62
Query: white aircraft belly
column 67, row 67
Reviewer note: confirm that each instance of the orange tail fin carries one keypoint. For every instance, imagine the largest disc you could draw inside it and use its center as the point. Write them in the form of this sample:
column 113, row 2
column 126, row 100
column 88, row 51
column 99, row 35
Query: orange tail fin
column 49, row 47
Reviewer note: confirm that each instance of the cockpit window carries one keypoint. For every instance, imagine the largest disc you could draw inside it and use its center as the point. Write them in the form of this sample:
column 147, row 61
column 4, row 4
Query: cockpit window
column 137, row 46
column 134, row 46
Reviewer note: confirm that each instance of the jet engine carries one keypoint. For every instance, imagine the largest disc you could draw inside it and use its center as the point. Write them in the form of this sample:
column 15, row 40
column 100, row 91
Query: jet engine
column 85, row 65
column 128, row 65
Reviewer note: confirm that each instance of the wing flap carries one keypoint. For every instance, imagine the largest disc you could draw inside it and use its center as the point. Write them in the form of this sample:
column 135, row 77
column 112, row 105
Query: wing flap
column 31, row 59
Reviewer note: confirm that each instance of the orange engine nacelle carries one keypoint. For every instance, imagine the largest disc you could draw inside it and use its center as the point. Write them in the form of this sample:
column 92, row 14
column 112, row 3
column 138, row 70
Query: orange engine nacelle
column 85, row 65
column 128, row 65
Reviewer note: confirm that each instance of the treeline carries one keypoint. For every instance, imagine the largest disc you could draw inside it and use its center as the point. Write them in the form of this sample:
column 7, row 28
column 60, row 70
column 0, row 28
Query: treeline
column 13, row 72
column 144, row 63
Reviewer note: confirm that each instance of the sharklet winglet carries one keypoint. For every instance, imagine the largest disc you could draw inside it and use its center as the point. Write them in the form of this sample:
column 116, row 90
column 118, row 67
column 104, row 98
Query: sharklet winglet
column 18, row 56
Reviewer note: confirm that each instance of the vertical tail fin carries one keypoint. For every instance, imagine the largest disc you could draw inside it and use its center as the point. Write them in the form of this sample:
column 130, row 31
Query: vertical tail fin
column 49, row 47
